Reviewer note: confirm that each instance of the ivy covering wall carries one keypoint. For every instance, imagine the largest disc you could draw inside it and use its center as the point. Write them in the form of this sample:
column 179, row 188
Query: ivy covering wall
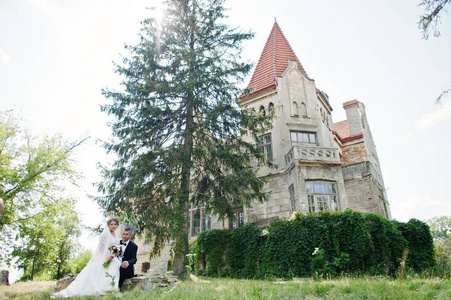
column 305, row 245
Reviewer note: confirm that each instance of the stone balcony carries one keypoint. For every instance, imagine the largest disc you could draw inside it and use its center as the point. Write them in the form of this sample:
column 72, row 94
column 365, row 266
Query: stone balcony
column 312, row 154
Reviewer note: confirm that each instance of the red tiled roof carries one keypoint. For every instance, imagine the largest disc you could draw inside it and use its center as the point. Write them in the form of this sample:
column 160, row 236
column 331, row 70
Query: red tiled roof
column 273, row 62
column 341, row 130
column 349, row 103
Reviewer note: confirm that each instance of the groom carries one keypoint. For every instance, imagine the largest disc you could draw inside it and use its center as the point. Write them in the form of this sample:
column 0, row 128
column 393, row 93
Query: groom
column 129, row 259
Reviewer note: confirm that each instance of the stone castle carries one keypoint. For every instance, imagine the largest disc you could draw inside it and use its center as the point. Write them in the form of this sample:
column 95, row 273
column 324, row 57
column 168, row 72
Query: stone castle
column 321, row 165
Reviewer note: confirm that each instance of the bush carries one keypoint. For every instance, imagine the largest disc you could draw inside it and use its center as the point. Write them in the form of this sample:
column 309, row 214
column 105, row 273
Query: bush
column 211, row 248
column 420, row 243
column 304, row 245
column 79, row 262
column 388, row 244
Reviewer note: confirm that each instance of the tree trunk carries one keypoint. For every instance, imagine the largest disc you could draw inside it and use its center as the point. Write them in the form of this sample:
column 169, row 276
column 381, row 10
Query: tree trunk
column 181, row 249
column 32, row 267
column 32, row 270
column 181, row 241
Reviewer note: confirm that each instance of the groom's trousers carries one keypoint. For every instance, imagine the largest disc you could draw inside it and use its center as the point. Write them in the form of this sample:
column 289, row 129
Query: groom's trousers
column 125, row 273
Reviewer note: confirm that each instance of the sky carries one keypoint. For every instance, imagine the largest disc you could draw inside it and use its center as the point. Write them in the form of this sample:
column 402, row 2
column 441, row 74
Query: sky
column 57, row 55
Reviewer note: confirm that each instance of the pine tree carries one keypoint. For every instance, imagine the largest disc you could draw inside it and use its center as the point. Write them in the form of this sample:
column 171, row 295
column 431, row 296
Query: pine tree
column 178, row 126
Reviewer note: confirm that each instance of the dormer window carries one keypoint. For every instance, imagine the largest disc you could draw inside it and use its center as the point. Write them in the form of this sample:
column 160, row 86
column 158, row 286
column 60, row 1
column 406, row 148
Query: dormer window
column 301, row 138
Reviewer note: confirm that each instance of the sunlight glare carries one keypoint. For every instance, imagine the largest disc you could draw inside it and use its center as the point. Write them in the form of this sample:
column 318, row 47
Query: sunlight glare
column 157, row 11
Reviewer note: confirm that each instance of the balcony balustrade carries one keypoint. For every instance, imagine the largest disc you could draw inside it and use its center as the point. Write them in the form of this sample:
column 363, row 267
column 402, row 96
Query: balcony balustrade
column 312, row 154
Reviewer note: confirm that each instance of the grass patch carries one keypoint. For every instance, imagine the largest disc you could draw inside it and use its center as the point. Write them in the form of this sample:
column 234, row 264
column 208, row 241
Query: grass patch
column 214, row 288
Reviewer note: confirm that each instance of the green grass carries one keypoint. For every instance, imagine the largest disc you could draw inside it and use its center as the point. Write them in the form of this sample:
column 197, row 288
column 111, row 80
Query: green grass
column 342, row 288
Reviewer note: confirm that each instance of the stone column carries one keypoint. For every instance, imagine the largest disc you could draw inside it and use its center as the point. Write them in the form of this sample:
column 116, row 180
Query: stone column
column 4, row 277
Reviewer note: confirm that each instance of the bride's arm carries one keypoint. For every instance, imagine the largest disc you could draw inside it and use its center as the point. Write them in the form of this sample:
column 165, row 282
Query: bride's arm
column 102, row 251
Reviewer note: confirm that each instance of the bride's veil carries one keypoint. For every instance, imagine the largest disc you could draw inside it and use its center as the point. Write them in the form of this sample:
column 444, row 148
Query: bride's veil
column 102, row 248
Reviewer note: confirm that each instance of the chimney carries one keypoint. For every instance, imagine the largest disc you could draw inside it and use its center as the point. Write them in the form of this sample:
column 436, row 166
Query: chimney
column 354, row 110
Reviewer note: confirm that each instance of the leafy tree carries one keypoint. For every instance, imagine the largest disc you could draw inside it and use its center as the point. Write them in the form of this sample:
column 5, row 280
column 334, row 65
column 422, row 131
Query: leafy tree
column 441, row 232
column 431, row 18
column 48, row 242
column 31, row 175
column 30, row 170
column 440, row 227
column 178, row 126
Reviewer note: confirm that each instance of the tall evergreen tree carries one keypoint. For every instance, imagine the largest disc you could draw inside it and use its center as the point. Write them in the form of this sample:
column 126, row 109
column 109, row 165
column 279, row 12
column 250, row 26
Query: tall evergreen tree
column 178, row 126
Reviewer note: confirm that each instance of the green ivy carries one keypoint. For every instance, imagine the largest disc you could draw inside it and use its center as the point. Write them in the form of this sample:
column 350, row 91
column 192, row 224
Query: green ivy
column 305, row 245
column 420, row 243
column 388, row 243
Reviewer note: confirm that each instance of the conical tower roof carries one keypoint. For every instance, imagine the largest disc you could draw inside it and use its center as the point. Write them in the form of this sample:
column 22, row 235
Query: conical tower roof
column 273, row 62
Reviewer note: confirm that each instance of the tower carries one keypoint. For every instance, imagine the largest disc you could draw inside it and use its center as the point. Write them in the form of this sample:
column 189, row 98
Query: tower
column 318, row 167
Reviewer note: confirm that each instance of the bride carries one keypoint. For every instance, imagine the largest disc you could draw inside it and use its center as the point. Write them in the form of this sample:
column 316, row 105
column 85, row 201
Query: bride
column 94, row 279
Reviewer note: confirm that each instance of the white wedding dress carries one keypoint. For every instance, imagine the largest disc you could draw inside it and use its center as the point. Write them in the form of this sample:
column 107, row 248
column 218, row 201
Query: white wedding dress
column 94, row 279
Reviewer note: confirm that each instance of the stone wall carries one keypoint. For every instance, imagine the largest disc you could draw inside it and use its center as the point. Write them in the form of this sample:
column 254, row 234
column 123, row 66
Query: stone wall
column 278, row 204
column 158, row 264
column 353, row 153
column 363, row 195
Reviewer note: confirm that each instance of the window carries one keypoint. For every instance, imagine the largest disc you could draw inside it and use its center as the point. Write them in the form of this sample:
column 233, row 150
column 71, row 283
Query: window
column 292, row 198
column 196, row 223
column 321, row 196
column 298, row 138
column 271, row 107
column 238, row 219
column 303, row 110
column 200, row 220
column 266, row 146
column 207, row 221
column 295, row 109
column 262, row 110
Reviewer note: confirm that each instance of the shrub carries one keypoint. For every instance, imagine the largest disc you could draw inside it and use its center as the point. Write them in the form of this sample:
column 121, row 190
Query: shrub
column 420, row 243
column 323, row 243
column 388, row 243
column 211, row 248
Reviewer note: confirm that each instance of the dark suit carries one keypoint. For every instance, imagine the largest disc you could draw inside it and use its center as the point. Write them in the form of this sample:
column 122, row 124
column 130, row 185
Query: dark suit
column 130, row 256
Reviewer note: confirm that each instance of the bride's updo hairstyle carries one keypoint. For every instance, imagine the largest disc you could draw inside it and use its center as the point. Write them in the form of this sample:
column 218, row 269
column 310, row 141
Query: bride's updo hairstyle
column 113, row 219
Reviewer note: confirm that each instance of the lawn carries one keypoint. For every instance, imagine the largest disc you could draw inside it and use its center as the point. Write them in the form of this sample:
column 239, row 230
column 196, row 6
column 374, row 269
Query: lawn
column 213, row 288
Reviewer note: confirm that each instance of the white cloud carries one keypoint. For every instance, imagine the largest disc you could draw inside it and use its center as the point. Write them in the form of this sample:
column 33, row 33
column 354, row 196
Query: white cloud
column 4, row 57
column 420, row 207
column 433, row 119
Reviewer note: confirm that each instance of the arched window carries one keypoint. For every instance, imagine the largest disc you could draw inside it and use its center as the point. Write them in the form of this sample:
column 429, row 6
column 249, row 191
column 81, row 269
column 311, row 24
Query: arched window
column 295, row 109
column 303, row 109
column 271, row 107
column 262, row 110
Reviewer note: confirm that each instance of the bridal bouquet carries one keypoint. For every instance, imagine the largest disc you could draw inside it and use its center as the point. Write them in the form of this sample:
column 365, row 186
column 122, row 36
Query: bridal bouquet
column 116, row 251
